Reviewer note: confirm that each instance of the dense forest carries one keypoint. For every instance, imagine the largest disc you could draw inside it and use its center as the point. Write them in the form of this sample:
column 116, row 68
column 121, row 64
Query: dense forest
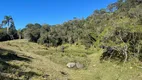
column 117, row 29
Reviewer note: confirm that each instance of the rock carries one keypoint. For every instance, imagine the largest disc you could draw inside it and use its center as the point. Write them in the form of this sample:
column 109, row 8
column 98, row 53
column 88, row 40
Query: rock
column 79, row 65
column 71, row 65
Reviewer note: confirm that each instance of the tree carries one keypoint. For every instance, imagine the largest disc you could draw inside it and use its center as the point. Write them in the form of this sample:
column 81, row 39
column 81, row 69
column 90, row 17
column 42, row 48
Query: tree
column 44, row 34
column 119, row 4
column 111, row 7
column 32, row 32
column 96, row 12
column 102, row 11
column 13, row 32
column 44, row 29
column 8, row 20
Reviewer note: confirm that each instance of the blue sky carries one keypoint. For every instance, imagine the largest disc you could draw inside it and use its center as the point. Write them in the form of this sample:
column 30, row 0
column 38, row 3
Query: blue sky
column 49, row 11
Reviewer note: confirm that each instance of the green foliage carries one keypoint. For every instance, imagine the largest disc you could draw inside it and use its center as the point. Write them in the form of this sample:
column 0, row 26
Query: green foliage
column 32, row 32
column 117, row 27
column 8, row 20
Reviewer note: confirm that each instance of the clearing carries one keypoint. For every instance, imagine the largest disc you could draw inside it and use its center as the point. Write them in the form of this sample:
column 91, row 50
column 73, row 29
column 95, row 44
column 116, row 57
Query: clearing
column 23, row 60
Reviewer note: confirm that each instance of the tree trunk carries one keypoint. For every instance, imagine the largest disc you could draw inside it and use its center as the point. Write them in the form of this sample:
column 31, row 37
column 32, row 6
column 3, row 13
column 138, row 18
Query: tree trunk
column 8, row 28
column 125, row 50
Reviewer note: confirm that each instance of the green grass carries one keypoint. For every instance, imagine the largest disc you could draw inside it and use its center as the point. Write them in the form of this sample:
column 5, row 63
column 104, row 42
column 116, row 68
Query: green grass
column 21, row 59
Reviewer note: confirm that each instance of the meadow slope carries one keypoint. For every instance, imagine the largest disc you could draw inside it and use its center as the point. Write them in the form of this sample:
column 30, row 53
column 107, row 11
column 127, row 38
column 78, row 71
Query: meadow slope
column 23, row 60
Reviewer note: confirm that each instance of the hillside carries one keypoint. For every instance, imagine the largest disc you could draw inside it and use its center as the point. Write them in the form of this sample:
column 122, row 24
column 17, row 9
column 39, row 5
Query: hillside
column 23, row 60
column 116, row 29
column 107, row 45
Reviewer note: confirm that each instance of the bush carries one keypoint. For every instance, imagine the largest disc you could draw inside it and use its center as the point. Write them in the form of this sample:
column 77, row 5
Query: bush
column 3, row 35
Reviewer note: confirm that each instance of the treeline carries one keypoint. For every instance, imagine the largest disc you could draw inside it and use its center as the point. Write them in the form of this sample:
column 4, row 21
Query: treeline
column 68, row 32
column 117, row 29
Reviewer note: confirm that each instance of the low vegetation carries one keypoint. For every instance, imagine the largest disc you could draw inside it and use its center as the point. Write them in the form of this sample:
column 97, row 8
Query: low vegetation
column 108, row 44
column 20, row 60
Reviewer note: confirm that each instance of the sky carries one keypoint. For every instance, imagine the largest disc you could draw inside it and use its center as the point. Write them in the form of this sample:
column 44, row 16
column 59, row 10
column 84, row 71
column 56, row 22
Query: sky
column 48, row 11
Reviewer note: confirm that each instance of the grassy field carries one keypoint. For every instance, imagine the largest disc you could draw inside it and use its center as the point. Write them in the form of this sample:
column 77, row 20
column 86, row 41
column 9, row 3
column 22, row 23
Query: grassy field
column 23, row 60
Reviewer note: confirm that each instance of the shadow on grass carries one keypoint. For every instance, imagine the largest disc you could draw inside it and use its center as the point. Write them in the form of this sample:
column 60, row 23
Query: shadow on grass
column 7, row 70
column 6, row 78
column 8, row 55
